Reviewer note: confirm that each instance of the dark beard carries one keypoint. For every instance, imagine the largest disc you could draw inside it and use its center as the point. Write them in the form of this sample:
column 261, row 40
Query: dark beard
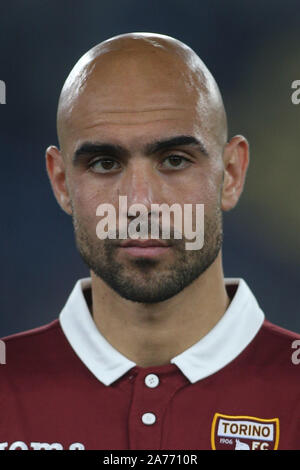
column 142, row 280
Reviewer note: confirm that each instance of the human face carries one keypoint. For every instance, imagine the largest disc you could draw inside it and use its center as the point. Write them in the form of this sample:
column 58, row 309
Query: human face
column 111, row 150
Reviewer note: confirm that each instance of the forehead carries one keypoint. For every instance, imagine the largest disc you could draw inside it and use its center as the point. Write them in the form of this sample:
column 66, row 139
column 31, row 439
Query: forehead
column 135, row 93
column 134, row 129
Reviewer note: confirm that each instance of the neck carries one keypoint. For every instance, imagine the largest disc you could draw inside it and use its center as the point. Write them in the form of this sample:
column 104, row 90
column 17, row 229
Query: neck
column 152, row 334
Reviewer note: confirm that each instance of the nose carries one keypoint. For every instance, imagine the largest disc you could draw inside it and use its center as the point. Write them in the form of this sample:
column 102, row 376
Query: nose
column 141, row 183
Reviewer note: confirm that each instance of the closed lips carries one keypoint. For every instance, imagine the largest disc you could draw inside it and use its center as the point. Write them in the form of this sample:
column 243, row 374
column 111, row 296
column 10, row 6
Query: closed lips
column 144, row 243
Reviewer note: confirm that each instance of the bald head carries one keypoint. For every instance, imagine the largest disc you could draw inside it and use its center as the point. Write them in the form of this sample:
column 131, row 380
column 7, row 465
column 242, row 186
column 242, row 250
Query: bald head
column 135, row 73
column 141, row 116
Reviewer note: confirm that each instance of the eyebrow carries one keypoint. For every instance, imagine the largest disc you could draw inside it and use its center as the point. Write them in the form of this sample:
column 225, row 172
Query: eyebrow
column 92, row 148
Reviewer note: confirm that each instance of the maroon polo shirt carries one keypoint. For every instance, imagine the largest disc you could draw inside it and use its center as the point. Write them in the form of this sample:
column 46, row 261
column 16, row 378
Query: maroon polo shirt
column 64, row 386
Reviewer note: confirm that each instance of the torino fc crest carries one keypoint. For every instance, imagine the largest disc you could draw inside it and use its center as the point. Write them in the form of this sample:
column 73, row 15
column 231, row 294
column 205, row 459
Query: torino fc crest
column 244, row 433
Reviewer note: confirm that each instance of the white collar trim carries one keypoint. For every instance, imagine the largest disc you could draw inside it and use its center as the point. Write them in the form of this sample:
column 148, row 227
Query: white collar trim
column 229, row 337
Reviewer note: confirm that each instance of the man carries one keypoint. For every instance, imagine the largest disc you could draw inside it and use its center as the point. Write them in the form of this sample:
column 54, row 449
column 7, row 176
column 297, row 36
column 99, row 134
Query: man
column 156, row 350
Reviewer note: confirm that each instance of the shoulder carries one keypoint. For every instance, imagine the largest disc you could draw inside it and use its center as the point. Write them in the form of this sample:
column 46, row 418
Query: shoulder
column 33, row 338
column 32, row 333
column 277, row 353
column 33, row 350
column 277, row 334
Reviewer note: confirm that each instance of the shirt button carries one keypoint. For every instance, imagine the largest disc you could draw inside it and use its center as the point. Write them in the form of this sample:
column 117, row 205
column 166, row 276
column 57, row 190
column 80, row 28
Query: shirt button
column 151, row 380
column 148, row 418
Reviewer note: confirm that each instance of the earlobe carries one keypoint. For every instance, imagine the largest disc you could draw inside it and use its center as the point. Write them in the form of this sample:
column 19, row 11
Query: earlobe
column 57, row 174
column 236, row 160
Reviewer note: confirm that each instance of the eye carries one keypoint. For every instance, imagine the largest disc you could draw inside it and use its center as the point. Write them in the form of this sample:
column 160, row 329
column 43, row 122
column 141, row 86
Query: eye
column 104, row 165
column 176, row 162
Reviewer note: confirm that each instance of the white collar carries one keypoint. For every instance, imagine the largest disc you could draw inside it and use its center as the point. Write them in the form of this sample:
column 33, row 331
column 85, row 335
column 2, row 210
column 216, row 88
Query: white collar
column 229, row 337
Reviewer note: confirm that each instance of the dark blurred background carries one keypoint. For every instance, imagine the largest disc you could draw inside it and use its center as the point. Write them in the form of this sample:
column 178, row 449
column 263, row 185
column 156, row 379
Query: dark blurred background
column 253, row 50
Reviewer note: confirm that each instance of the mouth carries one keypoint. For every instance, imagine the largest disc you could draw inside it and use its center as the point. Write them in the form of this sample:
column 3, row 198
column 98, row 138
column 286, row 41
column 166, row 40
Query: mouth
column 145, row 248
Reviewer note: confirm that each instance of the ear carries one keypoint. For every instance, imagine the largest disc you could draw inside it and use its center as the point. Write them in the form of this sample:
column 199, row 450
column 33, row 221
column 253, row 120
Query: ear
column 57, row 174
column 236, row 160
